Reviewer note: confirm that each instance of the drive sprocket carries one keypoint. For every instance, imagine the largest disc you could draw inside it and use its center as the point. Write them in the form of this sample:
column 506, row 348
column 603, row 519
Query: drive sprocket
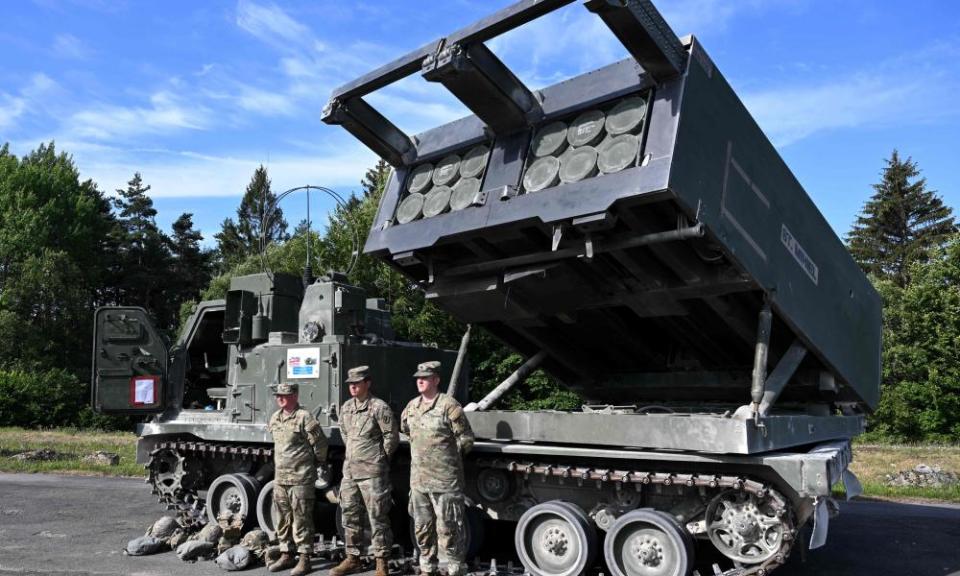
column 173, row 478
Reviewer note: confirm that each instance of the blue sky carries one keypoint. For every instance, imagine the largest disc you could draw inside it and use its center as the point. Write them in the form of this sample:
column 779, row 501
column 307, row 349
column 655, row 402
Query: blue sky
column 195, row 95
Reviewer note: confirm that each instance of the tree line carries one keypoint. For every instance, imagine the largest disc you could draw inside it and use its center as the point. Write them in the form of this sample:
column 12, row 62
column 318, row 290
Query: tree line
column 67, row 247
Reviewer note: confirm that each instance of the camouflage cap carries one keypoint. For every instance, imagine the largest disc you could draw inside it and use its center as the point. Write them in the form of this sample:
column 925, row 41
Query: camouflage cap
column 358, row 374
column 425, row 369
column 286, row 389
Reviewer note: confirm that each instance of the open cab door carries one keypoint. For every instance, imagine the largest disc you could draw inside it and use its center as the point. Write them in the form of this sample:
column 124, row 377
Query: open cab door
column 129, row 363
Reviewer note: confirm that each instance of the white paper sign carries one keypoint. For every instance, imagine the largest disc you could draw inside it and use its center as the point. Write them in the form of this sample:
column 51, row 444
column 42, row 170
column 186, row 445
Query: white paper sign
column 143, row 391
column 303, row 363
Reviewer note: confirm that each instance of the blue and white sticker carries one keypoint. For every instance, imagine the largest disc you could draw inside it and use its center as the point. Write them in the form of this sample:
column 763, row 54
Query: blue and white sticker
column 799, row 254
column 303, row 363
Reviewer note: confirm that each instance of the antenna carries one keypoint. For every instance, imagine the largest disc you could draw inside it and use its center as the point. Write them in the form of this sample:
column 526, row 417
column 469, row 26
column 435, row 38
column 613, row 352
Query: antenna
column 264, row 241
column 307, row 267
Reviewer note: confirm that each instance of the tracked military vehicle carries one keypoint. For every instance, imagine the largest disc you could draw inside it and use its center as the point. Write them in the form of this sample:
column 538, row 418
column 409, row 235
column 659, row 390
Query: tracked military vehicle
column 208, row 398
column 634, row 233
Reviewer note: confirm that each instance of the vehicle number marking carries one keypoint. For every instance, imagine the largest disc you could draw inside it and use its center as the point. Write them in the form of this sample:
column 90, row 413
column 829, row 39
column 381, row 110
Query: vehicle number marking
column 799, row 254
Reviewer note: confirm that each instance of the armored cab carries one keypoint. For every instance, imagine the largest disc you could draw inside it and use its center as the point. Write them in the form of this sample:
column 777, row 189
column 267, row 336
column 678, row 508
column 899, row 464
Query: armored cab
column 209, row 397
column 633, row 232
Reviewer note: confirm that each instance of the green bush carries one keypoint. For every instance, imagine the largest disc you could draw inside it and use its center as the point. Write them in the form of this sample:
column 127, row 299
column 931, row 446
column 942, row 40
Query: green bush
column 51, row 398
column 87, row 419
column 920, row 399
column 40, row 398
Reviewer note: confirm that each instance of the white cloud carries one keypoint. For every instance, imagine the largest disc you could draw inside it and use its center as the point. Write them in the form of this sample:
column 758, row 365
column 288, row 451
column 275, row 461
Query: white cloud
column 416, row 105
column 70, row 47
column 188, row 174
column 702, row 16
column 11, row 108
column 296, row 67
column 416, row 114
column 247, row 98
column 311, row 70
column 880, row 95
column 166, row 113
column 571, row 39
column 319, row 69
column 789, row 114
column 308, row 70
column 14, row 106
column 271, row 25
column 574, row 40
column 39, row 85
column 264, row 102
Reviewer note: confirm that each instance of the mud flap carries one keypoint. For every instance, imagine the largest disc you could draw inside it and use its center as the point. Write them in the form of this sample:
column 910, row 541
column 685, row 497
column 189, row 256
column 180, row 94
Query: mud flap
column 851, row 485
column 821, row 523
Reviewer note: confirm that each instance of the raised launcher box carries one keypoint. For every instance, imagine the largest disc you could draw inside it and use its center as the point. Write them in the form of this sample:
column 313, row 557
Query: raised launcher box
column 646, row 274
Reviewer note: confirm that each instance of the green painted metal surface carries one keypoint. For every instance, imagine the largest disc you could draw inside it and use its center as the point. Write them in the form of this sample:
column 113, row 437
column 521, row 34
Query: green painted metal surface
column 725, row 170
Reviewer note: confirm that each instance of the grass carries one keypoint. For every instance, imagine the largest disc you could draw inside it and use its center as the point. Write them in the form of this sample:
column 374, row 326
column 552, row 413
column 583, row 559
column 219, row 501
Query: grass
column 871, row 462
column 72, row 446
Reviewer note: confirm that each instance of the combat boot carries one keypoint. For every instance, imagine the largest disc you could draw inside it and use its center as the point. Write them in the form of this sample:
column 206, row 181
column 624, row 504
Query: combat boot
column 303, row 567
column 285, row 561
column 382, row 569
column 349, row 565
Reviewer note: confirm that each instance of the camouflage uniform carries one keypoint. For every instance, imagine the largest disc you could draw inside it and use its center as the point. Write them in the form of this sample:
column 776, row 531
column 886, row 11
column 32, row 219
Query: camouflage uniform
column 439, row 437
column 299, row 446
column 370, row 433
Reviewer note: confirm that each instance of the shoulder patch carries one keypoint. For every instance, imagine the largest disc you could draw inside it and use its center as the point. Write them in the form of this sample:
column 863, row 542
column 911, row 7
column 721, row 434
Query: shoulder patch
column 385, row 412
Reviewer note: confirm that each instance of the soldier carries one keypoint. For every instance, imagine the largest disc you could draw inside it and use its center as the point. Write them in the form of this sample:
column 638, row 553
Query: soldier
column 371, row 435
column 439, row 437
column 299, row 447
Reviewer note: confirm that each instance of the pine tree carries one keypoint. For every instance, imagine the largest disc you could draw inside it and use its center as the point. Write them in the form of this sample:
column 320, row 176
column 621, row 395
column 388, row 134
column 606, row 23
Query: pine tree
column 144, row 254
column 900, row 223
column 190, row 269
column 241, row 238
column 375, row 180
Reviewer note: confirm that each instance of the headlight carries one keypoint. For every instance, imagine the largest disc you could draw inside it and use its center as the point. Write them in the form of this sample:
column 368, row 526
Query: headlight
column 312, row 331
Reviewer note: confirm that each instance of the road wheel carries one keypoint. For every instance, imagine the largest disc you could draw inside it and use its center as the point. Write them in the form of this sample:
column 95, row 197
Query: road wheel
column 235, row 494
column 266, row 511
column 648, row 543
column 555, row 538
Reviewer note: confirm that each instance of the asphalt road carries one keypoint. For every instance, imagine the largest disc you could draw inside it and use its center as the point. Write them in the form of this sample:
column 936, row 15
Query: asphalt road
column 73, row 525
